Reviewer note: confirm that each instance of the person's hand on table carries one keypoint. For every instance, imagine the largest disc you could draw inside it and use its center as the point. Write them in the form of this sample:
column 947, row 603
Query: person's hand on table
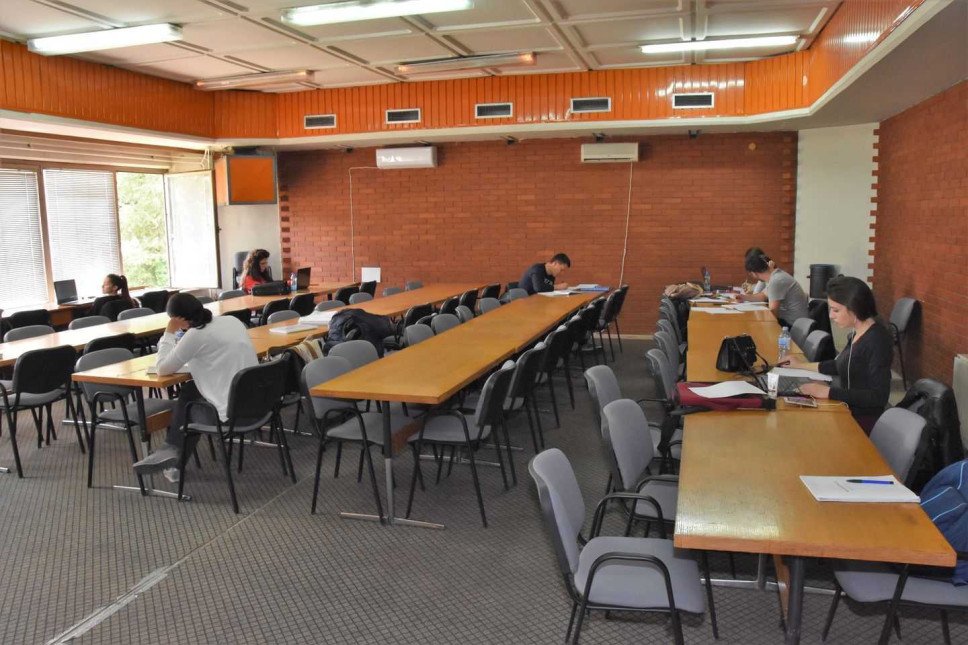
column 795, row 362
column 816, row 390
column 176, row 324
column 561, row 285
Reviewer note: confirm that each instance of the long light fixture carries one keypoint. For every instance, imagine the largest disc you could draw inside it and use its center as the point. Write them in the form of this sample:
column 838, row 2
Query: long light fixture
column 324, row 14
column 730, row 43
column 466, row 62
column 265, row 79
column 105, row 39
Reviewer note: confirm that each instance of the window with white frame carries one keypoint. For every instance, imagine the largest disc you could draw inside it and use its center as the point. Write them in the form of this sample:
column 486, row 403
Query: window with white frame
column 21, row 240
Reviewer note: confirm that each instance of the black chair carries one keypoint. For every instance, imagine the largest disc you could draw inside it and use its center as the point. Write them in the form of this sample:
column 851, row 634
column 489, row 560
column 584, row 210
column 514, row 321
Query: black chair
column 936, row 402
column 469, row 299
column 254, row 400
column 510, row 285
column 238, row 261
column 556, row 355
column 31, row 317
column 343, row 294
column 491, row 291
column 623, row 292
column 120, row 341
column 819, row 346
column 819, row 312
column 155, row 300
column 113, row 308
column 902, row 316
column 368, row 287
column 271, row 308
column 449, row 306
column 41, row 377
column 589, row 317
column 303, row 304
column 243, row 315
column 521, row 393
column 609, row 316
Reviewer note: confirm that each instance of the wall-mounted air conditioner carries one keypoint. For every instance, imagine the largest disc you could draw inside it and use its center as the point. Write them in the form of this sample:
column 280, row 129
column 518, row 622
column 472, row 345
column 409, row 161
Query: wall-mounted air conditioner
column 401, row 158
column 609, row 152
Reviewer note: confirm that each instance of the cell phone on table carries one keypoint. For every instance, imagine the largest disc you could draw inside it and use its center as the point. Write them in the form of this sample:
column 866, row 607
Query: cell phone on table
column 802, row 401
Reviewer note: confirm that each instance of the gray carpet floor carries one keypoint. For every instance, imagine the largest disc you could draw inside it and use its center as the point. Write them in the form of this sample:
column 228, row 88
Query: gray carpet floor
column 194, row 572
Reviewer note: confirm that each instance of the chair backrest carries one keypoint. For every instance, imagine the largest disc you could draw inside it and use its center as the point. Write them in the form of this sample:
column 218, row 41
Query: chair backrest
column 417, row 312
column 801, row 328
column 368, row 287
column 89, row 321
column 359, row 297
column 443, row 322
column 469, row 299
column 936, row 403
column 114, row 308
column 673, row 321
column 665, row 378
column 413, row 284
column 303, row 304
column 205, row 299
column 664, row 324
column 389, row 291
column 610, row 308
column 515, row 293
column 326, row 305
column 271, row 308
column 622, row 294
column 819, row 311
column 44, row 370
column 491, row 291
column 665, row 342
column 231, row 293
column 897, row 435
column 30, row 331
column 137, row 312
column 343, row 294
column 559, row 345
column 280, row 316
column 490, row 405
column 603, row 386
column 100, row 358
column 464, row 314
column 121, row 341
column 903, row 312
column 510, row 285
column 256, row 391
column 449, row 306
column 818, row 346
column 589, row 317
column 562, row 506
column 625, row 430
column 416, row 334
column 320, row 371
column 488, row 304
column 242, row 315
column 357, row 352
column 427, row 320
column 155, row 300
column 27, row 318
column 526, row 371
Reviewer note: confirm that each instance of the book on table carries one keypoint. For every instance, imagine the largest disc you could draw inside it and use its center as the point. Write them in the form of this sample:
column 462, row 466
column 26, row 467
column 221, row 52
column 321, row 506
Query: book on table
column 292, row 329
column 860, row 488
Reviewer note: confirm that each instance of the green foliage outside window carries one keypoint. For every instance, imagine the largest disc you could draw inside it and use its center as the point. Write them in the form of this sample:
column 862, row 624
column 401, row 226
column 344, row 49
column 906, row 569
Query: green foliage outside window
column 144, row 238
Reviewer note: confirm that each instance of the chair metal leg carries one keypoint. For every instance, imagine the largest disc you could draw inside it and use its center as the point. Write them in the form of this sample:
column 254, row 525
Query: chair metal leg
column 618, row 333
column 537, row 418
column 90, row 455
column 376, row 489
column 554, row 401
column 242, row 452
column 507, row 443
column 945, row 630
column 534, row 436
column 601, row 346
column 339, row 457
column 227, row 458
column 571, row 621
column 582, row 609
column 571, row 389
column 900, row 355
column 12, row 425
column 181, row 468
column 709, row 595
column 359, row 468
column 500, row 460
column 610, row 346
column 77, row 427
column 413, row 476
column 319, row 467
column 892, row 608
column 831, row 611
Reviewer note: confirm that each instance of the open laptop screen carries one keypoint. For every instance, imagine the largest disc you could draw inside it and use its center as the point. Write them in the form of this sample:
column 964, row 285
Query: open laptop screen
column 65, row 291
column 302, row 279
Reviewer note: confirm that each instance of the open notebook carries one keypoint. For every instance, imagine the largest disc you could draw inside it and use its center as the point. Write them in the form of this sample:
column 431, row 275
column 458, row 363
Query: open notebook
column 880, row 488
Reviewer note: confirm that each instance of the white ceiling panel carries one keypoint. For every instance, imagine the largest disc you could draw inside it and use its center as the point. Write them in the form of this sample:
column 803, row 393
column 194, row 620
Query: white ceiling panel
column 28, row 19
column 283, row 89
column 630, row 31
column 140, row 54
column 507, row 40
column 388, row 27
column 583, row 9
column 483, row 14
column 724, row 55
column 761, row 21
column 232, row 35
column 394, row 50
column 633, row 57
column 348, row 76
column 132, row 12
column 291, row 57
column 443, row 76
column 546, row 62
column 189, row 69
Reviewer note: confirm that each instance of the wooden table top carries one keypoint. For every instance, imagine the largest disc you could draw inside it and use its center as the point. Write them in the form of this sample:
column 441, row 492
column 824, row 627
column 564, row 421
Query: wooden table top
column 399, row 303
column 436, row 369
column 706, row 334
column 220, row 307
column 760, row 315
column 740, row 490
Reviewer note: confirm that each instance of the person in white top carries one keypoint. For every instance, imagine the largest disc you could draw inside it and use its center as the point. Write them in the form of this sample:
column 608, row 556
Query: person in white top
column 213, row 349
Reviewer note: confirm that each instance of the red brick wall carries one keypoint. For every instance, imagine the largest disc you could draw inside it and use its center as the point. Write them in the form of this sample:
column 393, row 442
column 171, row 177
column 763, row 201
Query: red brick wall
column 489, row 210
column 921, row 234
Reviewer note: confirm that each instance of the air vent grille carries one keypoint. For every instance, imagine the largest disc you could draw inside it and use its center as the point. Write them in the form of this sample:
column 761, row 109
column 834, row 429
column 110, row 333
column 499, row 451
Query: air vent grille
column 594, row 104
column 493, row 110
column 693, row 101
column 404, row 116
column 319, row 121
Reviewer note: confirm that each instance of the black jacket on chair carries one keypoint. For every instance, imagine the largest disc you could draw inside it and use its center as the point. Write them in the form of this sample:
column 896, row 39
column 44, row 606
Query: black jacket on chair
column 935, row 401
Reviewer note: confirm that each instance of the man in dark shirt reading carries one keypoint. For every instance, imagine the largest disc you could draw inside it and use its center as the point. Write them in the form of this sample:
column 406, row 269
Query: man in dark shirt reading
column 540, row 277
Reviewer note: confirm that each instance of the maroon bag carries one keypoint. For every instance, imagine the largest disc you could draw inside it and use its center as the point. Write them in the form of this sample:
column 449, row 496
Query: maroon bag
column 689, row 399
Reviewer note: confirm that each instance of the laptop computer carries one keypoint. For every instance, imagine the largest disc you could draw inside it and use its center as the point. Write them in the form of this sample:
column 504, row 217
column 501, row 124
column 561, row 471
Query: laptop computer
column 302, row 279
column 65, row 291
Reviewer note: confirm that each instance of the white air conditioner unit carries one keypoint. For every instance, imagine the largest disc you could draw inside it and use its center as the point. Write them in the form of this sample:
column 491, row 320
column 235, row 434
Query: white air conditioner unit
column 400, row 158
column 609, row 152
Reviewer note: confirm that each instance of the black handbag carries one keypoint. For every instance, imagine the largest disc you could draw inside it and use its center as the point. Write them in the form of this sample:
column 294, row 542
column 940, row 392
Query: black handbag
column 736, row 353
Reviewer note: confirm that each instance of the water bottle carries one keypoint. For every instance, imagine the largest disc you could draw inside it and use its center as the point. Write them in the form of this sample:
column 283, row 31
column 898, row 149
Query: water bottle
column 705, row 280
column 292, row 282
column 783, row 344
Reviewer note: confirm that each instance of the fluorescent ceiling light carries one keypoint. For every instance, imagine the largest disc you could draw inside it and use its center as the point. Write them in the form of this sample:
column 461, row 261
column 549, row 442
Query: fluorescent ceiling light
column 323, row 14
column 731, row 43
column 105, row 39
column 466, row 62
column 267, row 79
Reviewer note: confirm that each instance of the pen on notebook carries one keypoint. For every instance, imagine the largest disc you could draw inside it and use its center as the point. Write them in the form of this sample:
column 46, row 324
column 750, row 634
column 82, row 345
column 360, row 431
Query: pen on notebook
column 869, row 481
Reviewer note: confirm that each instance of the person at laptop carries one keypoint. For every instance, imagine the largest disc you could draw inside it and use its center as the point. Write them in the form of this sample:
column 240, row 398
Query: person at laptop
column 255, row 269
column 541, row 277
column 114, row 287
column 213, row 349
column 754, row 288
column 864, row 365
column 785, row 295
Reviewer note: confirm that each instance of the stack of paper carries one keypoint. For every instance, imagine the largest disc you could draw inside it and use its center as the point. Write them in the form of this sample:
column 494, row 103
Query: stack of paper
column 317, row 318
column 292, row 329
column 858, row 489
column 552, row 294
column 795, row 373
column 718, row 301
column 727, row 389
column 749, row 306
column 714, row 310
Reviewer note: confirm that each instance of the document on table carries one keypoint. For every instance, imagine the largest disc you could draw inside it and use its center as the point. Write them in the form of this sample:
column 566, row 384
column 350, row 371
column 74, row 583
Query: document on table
column 718, row 301
column 153, row 369
column 556, row 293
column 317, row 318
column 292, row 329
column 749, row 306
column 849, row 489
column 714, row 310
column 727, row 389
column 797, row 373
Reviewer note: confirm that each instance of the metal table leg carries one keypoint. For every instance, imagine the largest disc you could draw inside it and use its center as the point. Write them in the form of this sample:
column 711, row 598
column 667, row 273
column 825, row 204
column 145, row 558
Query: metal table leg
column 149, row 490
column 795, row 603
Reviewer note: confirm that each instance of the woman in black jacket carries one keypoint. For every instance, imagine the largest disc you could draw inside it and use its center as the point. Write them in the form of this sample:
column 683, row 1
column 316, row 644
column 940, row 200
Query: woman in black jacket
column 114, row 287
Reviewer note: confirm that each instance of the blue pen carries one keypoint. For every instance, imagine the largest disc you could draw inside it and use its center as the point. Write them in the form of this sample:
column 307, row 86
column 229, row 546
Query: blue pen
column 869, row 481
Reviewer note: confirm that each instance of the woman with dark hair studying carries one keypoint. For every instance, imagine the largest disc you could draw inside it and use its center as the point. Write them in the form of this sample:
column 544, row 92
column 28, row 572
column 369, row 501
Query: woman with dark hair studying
column 213, row 349
column 114, row 287
column 864, row 365
column 255, row 269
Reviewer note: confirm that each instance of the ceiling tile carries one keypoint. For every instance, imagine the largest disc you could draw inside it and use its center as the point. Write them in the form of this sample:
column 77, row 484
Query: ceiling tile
column 232, row 35
column 290, row 57
column 189, row 69
column 629, row 31
column 579, row 9
column 723, row 55
column 546, row 62
column 442, row 76
column 348, row 76
column 507, row 40
column 761, row 21
column 139, row 54
column 633, row 57
column 483, row 14
column 28, row 19
column 394, row 50
column 129, row 12
column 387, row 27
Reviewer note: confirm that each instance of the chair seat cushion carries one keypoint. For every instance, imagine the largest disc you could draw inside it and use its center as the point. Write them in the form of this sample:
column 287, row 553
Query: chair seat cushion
column 640, row 585
column 240, row 427
column 349, row 430
column 449, row 429
column 875, row 582
column 152, row 407
column 31, row 400
column 666, row 493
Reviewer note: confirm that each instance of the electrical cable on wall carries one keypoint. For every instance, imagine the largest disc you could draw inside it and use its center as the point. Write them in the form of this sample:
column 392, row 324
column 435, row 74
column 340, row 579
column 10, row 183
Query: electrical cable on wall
column 628, row 214
column 352, row 227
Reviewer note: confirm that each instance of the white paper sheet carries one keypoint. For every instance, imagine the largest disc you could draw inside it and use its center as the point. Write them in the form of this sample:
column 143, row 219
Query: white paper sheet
column 797, row 373
column 718, row 301
column 317, row 318
column 714, row 310
column 838, row 489
column 586, row 286
column 370, row 274
column 727, row 389
column 749, row 306
column 292, row 329
column 553, row 294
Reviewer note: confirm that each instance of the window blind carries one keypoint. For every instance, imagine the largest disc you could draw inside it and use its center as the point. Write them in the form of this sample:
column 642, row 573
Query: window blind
column 21, row 241
column 82, row 225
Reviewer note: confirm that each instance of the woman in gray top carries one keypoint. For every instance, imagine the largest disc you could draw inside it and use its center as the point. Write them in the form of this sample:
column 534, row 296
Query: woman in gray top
column 785, row 295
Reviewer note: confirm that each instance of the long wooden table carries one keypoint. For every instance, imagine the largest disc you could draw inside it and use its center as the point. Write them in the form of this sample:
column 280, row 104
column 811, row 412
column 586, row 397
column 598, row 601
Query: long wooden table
column 740, row 488
column 399, row 303
column 436, row 369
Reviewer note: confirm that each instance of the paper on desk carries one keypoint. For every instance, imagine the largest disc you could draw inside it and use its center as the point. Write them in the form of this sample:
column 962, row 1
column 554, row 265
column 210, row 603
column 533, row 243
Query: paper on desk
column 838, row 489
column 718, row 301
column 797, row 373
column 552, row 294
column 749, row 306
column 714, row 310
column 292, row 329
column 586, row 286
column 727, row 389
column 317, row 318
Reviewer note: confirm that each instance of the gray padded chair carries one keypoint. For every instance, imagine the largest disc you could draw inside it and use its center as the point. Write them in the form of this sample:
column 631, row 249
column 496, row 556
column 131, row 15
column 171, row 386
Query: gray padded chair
column 818, row 346
column 443, row 322
column 357, row 352
column 667, row 344
column 464, row 313
column 281, row 316
column 516, row 293
column 137, row 312
column 30, row 331
column 897, row 435
column 413, row 284
column 488, row 304
column 417, row 333
column 326, row 305
column 801, row 328
column 89, row 321
column 611, row 573
column 664, row 324
column 231, row 293
column 901, row 316
column 389, row 291
column 205, row 299
column 359, row 297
